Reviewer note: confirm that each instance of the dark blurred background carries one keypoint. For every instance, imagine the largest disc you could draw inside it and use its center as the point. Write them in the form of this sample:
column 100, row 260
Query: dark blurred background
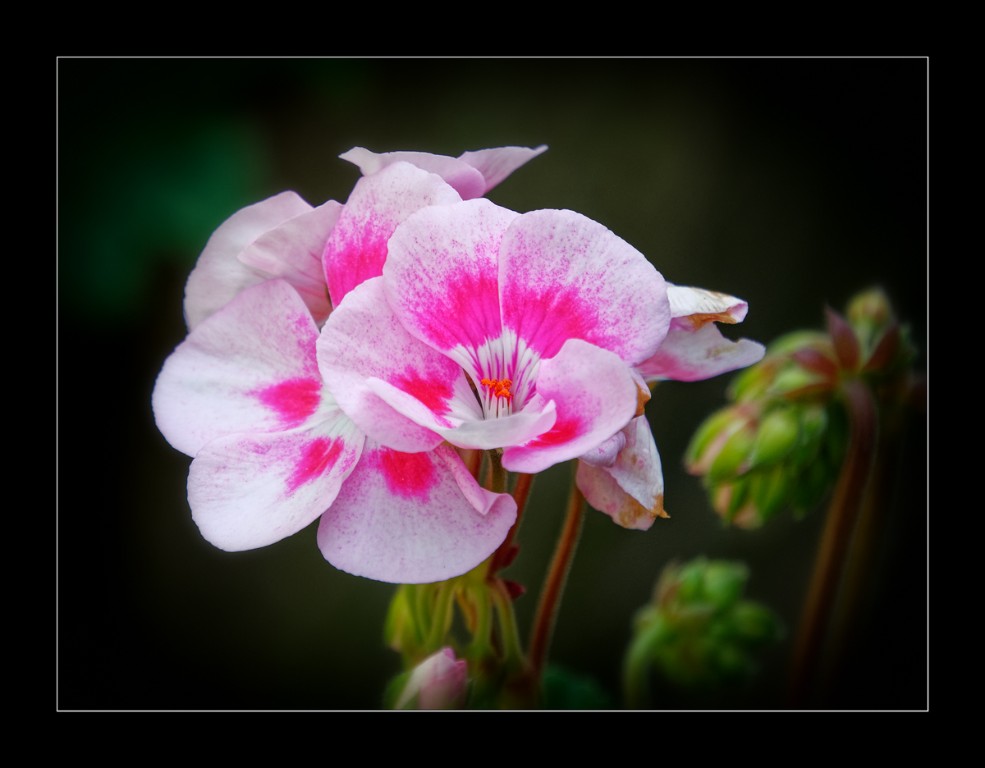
column 793, row 183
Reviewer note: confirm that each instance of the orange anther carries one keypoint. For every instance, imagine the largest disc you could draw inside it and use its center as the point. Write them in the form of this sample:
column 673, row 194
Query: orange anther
column 499, row 387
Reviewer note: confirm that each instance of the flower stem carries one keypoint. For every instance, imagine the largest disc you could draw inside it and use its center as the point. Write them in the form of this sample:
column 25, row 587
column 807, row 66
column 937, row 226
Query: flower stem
column 842, row 515
column 550, row 596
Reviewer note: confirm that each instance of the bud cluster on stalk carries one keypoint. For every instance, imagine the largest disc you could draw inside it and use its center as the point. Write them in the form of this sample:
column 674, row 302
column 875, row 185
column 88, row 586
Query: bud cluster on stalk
column 781, row 441
column 698, row 632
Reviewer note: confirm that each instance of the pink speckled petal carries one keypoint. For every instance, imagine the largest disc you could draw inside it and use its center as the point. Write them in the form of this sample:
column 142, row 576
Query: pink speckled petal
column 250, row 490
column 695, row 354
column 564, row 276
column 221, row 274
column 596, row 396
column 496, row 164
column 631, row 491
column 442, row 276
column 403, row 518
column 250, row 367
column 357, row 247
column 363, row 341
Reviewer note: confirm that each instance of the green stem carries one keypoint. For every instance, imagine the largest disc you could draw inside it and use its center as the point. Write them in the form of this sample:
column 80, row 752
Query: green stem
column 441, row 616
column 839, row 524
column 511, row 650
column 550, row 596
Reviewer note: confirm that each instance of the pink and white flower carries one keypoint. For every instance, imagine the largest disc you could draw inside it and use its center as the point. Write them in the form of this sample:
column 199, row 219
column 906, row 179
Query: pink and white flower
column 244, row 396
column 492, row 329
column 438, row 682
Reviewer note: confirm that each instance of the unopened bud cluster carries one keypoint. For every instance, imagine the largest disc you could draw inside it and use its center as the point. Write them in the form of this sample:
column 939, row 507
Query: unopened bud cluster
column 699, row 633
column 781, row 441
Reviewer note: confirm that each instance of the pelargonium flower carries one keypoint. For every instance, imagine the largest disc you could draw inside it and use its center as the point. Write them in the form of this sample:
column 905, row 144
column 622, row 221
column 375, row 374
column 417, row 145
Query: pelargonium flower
column 438, row 682
column 244, row 396
column 623, row 477
column 493, row 329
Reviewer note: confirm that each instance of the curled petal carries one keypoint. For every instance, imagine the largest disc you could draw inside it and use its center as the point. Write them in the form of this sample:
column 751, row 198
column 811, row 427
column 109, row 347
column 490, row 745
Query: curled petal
column 701, row 306
column 595, row 394
column 496, row 164
column 631, row 490
column 251, row 490
column 694, row 354
column 250, row 367
column 357, row 247
column 404, row 518
column 564, row 276
column 438, row 682
column 282, row 236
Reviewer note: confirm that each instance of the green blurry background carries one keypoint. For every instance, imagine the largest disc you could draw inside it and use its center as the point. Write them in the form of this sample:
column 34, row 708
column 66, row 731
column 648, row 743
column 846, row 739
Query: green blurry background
column 791, row 183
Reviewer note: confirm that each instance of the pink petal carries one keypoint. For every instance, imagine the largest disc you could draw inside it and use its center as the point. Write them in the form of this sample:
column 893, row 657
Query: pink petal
column 403, row 518
column 251, row 490
column 220, row 274
column 496, row 164
column 250, row 367
column 596, row 395
column 357, row 247
column 361, row 341
column 442, row 276
column 694, row 354
column 564, row 276
column 472, row 174
column 461, row 176
column 631, row 491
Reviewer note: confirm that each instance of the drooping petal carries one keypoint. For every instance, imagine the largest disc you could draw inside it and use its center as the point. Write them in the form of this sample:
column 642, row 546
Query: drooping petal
column 362, row 341
column 442, row 276
column 595, row 394
column 694, row 348
column 357, row 247
column 631, row 490
column 250, row 367
column 289, row 230
column 403, row 518
column 251, row 490
column 564, row 276
column 695, row 354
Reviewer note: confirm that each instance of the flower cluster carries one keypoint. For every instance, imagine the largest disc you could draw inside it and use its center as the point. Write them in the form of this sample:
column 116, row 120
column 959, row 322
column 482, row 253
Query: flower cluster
column 342, row 358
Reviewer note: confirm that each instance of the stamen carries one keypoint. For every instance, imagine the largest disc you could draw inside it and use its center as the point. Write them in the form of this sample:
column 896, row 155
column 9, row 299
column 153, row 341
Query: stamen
column 499, row 387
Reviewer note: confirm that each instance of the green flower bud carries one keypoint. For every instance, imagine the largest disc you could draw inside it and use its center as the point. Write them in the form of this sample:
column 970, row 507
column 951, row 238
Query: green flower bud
column 711, row 436
column 778, row 434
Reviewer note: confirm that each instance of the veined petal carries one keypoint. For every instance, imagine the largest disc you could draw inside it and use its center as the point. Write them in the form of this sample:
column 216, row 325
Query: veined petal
column 631, row 491
column 250, row 490
column 498, row 163
column 403, row 518
column 250, row 367
column 220, row 275
column 595, row 394
column 564, row 276
column 357, row 247
column 362, row 341
column 692, row 353
column 441, row 276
